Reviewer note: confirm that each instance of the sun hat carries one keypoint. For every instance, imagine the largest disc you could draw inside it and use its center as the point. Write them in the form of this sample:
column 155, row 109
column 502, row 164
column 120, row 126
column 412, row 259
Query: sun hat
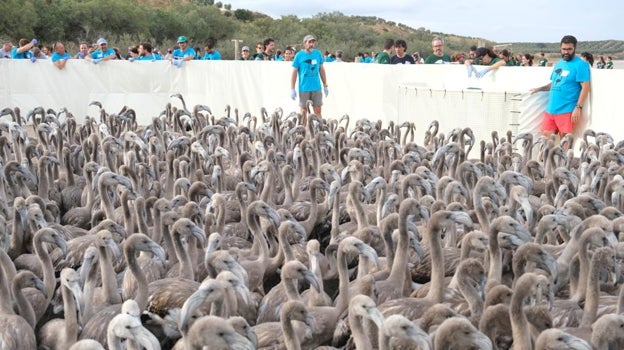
column 308, row 38
column 182, row 39
column 101, row 41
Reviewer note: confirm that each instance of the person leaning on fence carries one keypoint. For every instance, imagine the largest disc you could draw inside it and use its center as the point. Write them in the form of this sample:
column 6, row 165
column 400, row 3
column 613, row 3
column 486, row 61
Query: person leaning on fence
column 183, row 53
column 103, row 53
column 59, row 56
column 569, row 88
column 22, row 50
column 485, row 57
column 308, row 69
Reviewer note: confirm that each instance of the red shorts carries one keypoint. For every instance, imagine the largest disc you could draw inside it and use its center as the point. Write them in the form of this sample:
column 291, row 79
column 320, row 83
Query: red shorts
column 561, row 123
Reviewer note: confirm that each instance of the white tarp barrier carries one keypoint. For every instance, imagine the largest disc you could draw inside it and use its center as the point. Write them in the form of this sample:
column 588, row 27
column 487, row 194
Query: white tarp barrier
column 418, row 93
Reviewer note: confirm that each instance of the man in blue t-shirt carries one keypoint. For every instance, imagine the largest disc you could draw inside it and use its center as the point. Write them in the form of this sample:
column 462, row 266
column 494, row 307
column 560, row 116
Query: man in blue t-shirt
column 308, row 67
column 22, row 50
column 211, row 54
column 569, row 88
column 60, row 56
column 183, row 53
column 104, row 53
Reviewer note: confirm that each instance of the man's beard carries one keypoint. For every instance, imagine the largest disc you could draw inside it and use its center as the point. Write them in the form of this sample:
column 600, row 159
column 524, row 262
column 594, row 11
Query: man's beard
column 568, row 55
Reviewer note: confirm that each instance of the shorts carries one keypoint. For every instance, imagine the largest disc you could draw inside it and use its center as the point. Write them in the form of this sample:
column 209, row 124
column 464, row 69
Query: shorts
column 315, row 96
column 561, row 123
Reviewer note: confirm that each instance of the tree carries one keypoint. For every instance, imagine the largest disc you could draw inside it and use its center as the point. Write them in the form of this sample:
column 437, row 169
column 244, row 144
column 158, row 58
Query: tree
column 219, row 4
column 243, row 15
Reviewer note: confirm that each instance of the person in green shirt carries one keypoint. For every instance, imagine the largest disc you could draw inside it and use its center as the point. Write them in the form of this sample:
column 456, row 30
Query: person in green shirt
column 609, row 64
column 384, row 56
column 438, row 55
column 506, row 56
column 485, row 57
column 542, row 61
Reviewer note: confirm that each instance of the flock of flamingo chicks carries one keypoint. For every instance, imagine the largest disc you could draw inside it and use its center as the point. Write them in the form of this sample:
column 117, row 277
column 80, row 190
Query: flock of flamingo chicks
column 207, row 232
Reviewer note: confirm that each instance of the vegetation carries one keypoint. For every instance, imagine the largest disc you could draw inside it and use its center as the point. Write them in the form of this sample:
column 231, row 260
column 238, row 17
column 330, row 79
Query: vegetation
column 128, row 22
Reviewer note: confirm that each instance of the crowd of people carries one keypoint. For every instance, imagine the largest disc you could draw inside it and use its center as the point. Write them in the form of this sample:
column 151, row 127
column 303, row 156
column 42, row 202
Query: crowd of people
column 392, row 52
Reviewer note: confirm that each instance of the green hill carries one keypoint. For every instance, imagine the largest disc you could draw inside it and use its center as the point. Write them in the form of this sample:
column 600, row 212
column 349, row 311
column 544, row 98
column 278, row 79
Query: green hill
column 129, row 22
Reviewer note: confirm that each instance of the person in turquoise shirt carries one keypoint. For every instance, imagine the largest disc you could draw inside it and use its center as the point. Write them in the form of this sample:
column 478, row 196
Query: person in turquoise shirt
column 22, row 50
column 308, row 69
column 60, row 56
column 485, row 57
column 103, row 54
column 183, row 53
column 568, row 90
column 146, row 53
column 211, row 54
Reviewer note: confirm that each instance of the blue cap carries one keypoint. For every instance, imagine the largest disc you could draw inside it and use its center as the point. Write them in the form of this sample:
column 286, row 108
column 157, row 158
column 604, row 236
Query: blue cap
column 182, row 39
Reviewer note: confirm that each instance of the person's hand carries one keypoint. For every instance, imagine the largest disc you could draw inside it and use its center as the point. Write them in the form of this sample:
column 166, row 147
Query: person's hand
column 470, row 69
column 177, row 63
column 481, row 73
column 576, row 115
column 34, row 41
column 33, row 59
column 96, row 60
column 326, row 91
column 293, row 94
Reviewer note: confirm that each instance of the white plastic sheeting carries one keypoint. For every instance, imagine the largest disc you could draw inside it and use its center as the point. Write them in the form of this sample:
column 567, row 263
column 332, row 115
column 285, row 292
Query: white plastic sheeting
column 418, row 93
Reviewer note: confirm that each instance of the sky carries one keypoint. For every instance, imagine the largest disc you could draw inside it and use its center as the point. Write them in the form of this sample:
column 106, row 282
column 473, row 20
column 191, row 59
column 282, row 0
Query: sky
column 498, row 21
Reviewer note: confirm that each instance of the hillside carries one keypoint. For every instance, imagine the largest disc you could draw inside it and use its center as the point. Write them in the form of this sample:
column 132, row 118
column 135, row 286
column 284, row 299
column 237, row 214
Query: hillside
column 127, row 23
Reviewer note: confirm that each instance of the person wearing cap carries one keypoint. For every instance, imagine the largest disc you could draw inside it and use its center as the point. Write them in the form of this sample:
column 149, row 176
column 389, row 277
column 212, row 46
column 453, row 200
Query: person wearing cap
column 438, row 56
column 308, row 68
column 484, row 57
column 569, row 89
column 183, row 53
column 245, row 54
column 103, row 53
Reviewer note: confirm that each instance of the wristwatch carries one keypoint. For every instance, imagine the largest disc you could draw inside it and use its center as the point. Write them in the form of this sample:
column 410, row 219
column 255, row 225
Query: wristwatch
column 579, row 106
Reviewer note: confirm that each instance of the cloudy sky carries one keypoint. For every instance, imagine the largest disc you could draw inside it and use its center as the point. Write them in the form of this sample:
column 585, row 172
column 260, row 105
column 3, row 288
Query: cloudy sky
column 499, row 21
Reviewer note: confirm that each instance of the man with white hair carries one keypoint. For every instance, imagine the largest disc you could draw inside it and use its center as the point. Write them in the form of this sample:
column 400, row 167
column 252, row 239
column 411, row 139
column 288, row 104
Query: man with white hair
column 308, row 67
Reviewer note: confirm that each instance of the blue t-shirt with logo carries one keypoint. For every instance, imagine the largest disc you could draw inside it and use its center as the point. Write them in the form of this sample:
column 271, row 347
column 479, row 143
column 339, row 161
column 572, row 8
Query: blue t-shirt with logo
column 565, row 85
column 308, row 65
column 179, row 54
column 101, row 54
